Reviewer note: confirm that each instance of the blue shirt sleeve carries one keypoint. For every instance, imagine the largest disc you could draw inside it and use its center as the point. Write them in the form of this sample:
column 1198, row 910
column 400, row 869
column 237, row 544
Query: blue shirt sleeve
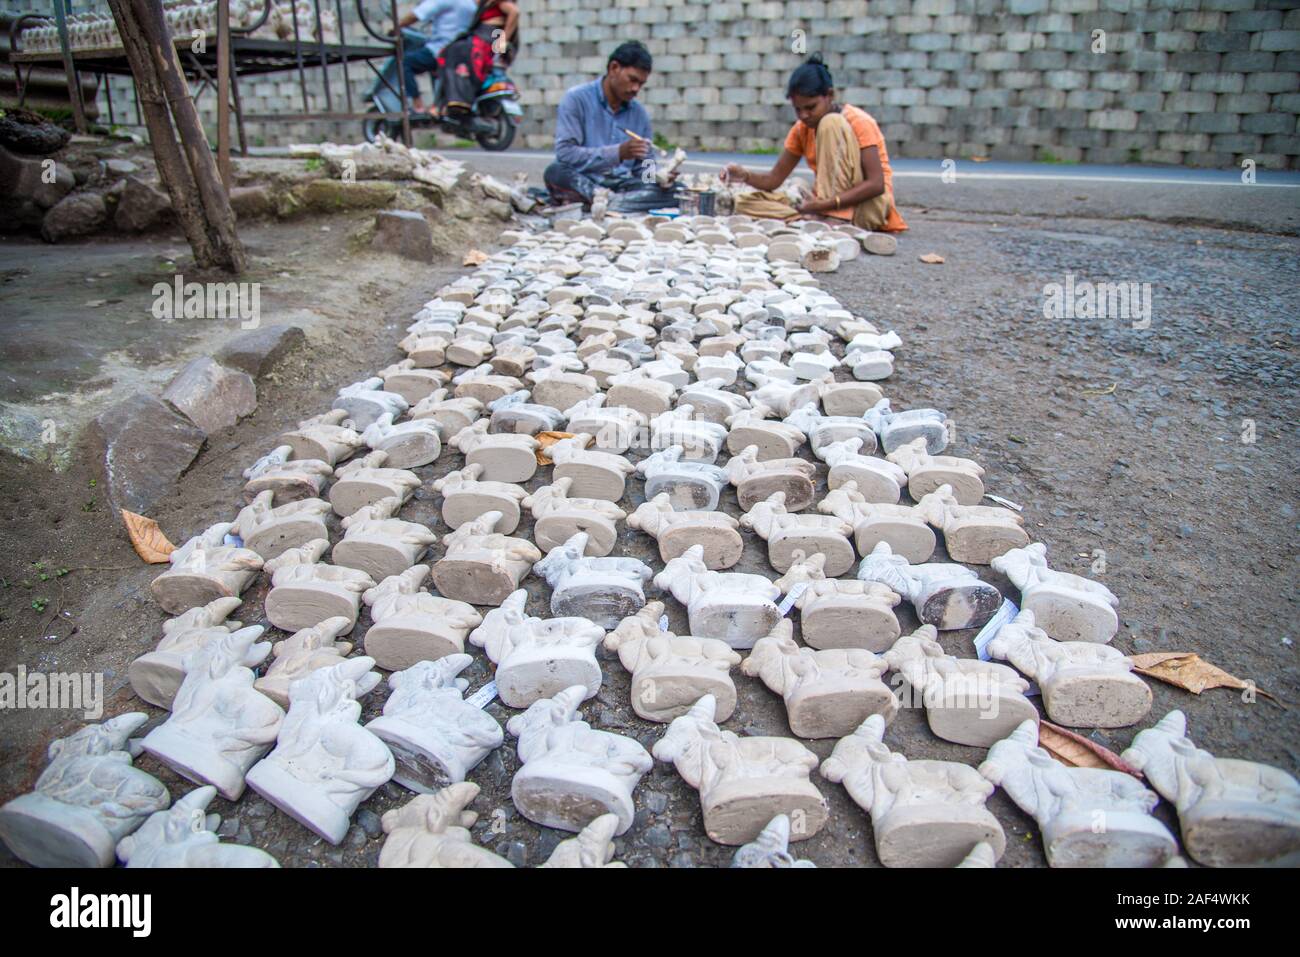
column 571, row 137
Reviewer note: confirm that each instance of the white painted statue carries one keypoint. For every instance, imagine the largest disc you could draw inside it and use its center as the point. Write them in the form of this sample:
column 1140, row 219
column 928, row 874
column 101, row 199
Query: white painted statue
column 602, row 590
column 408, row 444
column 902, row 527
column 185, row 836
column 973, row 534
column 839, row 613
column 323, row 437
column 789, row 533
column 367, row 480
column 432, row 830
column 482, row 566
column 733, row 607
column 466, row 496
column 410, row 625
column 771, row 849
column 270, row 529
column 378, row 543
column 688, row 485
column 156, row 675
column 289, row 476
column 948, row 596
column 896, row 429
column 300, row 654
column 1067, row 607
column 926, row 472
column 203, row 570
column 557, row 517
column 305, row 591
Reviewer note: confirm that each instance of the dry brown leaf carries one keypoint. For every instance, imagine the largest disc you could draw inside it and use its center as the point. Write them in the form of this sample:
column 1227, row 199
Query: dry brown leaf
column 547, row 439
column 933, row 258
column 475, row 257
column 147, row 538
column 1189, row 671
column 1079, row 752
column 979, row 159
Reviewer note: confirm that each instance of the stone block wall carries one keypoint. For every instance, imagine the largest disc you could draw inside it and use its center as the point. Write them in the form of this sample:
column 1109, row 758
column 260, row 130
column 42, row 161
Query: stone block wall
column 1206, row 83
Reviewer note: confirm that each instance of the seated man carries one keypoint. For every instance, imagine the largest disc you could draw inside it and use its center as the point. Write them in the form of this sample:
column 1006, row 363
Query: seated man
column 845, row 149
column 449, row 19
column 602, row 138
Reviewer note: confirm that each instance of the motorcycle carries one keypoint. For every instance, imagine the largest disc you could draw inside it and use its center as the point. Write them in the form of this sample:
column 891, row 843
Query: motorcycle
column 491, row 121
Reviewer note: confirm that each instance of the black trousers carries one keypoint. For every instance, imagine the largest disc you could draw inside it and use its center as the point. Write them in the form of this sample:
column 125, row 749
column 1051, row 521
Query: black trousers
column 569, row 185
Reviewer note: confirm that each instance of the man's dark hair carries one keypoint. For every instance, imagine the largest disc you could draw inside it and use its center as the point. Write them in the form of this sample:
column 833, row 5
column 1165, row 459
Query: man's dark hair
column 632, row 53
column 811, row 79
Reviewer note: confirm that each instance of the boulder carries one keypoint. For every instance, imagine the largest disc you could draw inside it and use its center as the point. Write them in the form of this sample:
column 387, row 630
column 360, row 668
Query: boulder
column 120, row 167
column 145, row 447
column 29, row 185
column 141, row 207
column 251, row 202
column 334, row 195
column 257, row 351
column 74, row 215
column 405, row 233
column 210, row 395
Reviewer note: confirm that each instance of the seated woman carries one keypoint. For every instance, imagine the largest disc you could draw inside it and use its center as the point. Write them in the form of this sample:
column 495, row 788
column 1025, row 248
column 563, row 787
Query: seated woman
column 845, row 149
column 467, row 60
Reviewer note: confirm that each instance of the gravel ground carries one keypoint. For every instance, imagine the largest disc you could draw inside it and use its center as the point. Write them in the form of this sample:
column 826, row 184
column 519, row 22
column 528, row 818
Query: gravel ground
column 1114, row 439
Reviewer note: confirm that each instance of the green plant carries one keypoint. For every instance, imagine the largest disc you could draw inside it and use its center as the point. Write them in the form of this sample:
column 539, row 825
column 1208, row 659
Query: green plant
column 464, row 144
column 1047, row 156
column 39, row 603
column 766, row 151
column 663, row 143
column 1135, row 155
column 314, row 163
column 88, row 506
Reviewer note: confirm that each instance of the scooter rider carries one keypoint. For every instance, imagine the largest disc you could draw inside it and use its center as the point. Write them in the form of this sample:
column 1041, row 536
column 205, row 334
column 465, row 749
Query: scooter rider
column 449, row 19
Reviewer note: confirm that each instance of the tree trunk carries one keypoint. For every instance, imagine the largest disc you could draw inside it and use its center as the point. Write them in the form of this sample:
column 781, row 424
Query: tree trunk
column 172, row 168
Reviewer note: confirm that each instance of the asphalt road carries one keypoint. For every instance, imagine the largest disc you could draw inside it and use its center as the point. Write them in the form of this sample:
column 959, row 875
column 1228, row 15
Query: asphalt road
column 1159, row 194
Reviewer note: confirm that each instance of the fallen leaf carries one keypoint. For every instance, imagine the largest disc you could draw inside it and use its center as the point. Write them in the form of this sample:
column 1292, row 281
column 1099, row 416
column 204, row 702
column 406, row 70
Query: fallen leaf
column 1109, row 390
column 933, row 258
column 475, row 257
column 979, row 159
column 1189, row 671
column 1079, row 752
column 547, row 439
column 147, row 538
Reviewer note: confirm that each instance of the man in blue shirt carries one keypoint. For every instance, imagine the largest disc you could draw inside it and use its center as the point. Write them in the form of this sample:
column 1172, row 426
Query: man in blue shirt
column 449, row 19
column 593, row 147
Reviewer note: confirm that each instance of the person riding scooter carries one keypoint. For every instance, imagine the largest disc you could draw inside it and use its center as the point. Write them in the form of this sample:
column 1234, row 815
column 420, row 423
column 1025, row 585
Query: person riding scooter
column 449, row 19
column 466, row 61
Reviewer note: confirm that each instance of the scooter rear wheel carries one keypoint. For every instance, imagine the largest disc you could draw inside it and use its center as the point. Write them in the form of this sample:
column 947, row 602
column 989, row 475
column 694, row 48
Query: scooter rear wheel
column 371, row 127
column 502, row 135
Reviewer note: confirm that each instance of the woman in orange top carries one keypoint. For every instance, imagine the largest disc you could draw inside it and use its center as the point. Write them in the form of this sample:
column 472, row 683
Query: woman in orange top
column 845, row 149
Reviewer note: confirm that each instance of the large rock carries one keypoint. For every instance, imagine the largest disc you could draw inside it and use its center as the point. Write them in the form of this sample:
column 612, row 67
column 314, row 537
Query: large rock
column 29, row 186
column 210, row 395
column 367, row 165
column 257, row 351
column 334, row 195
column 141, row 207
column 405, row 233
column 74, row 215
column 146, row 447
column 252, row 202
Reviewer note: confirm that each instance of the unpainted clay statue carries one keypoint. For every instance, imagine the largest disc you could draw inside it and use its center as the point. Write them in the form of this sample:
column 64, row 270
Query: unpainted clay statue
column 465, row 496
column 950, row 597
column 775, row 440
column 366, row 401
column 323, row 437
column 367, row 480
column 602, row 590
column 203, row 570
column 635, row 391
column 835, row 613
column 467, row 350
column 1232, row 813
column 784, row 397
column 411, row 382
column 301, row 653
column 850, row 398
column 504, row 458
column 1067, row 607
column 595, row 474
column 735, row 608
column 410, row 625
column 902, row 527
column 788, row 533
column 450, row 415
column 538, row 657
column 87, row 799
column 711, row 402
column 670, row 672
column 688, row 485
column 184, row 836
column 813, row 366
column 743, row 782
column 1084, row 684
column 408, row 445
column 870, row 365
column 826, row 429
column 592, row 848
column 827, row 693
column 1089, row 817
column 378, row 544
column 615, row 428
column 432, row 830
column 562, row 390
column 967, row 701
column 923, row 813
column 481, row 565
column 771, row 849
column 289, row 478
column 572, row 773
column 156, row 675
column 700, row 440
column 876, row 479
column 980, row 856
column 482, row 385
column 896, row 429
column 436, row 736
column 220, row 725
column 305, row 591
column 425, row 350
column 514, row 359
column 515, row 415
column 676, row 531
column 972, row 534
column 324, row 763
column 270, row 530
column 757, row 480
column 557, row 518
column 926, row 472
